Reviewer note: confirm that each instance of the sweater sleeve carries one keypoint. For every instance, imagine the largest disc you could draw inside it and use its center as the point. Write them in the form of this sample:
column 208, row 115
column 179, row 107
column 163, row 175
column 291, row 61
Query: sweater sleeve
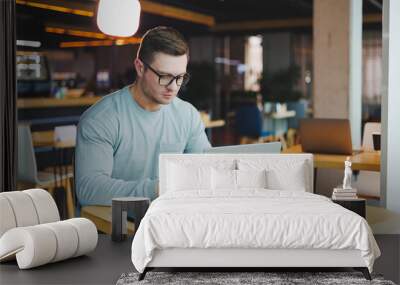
column 198, row 141
column 96, row 143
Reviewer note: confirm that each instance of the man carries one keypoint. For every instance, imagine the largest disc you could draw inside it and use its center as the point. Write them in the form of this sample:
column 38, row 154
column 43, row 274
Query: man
column 120, row 137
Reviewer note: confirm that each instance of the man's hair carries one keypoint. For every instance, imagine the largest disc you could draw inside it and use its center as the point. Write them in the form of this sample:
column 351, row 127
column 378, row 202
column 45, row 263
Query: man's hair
column 162, row 39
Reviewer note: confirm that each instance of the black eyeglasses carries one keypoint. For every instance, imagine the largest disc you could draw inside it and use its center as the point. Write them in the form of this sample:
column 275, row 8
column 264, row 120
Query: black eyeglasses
column 167, row 79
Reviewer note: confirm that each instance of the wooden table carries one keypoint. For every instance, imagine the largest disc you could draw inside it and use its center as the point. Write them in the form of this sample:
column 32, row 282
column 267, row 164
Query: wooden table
column 46, row 139
column 60, row 167
column 277, row 122
column 48, row 102
column 214, row 124
column 366, row 160
column 209, row 125
column 282, row 115
column 101, row 216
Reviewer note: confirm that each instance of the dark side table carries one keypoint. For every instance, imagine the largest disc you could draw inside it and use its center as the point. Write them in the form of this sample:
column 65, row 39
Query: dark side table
column 355, row 205
column 137, row 206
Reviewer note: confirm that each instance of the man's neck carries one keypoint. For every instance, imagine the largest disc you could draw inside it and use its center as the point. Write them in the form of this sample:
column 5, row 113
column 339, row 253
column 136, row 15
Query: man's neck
column 143, row 101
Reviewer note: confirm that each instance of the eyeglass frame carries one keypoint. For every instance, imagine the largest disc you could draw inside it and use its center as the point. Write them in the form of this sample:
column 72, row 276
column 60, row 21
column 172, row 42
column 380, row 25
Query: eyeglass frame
column 173, row 77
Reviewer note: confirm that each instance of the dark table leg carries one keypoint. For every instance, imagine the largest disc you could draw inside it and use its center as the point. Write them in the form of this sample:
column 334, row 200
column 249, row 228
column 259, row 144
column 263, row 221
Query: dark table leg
column 315, row 179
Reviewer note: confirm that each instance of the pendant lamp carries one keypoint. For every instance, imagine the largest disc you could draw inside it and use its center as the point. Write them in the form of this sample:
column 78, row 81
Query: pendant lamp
column 119, row 18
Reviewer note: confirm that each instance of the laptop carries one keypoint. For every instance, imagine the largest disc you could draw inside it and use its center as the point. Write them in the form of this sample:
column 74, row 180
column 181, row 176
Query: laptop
column 272, row 147
column 331, row 136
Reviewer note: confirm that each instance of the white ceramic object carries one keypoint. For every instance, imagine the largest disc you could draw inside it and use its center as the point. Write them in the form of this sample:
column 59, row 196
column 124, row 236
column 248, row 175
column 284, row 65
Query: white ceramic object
column 31, row 231
column 23, row 208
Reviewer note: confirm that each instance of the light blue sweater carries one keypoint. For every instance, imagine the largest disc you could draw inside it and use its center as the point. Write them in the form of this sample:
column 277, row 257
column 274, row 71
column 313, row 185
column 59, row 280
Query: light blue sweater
column 118, row 144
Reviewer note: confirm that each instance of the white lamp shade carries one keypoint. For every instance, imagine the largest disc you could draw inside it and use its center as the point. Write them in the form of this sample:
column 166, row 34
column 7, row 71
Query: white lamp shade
column 118, row 18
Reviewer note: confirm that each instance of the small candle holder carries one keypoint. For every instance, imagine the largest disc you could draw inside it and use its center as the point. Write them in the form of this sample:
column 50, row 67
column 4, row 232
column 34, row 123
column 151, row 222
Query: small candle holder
column 137, row 206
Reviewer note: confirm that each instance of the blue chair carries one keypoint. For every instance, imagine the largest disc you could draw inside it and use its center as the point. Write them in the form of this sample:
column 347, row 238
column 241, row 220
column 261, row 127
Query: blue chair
column 301, row 112
column 249, row 125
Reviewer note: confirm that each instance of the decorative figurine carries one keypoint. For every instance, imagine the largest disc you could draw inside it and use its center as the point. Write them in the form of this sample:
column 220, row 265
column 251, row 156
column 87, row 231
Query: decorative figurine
column 347, row 174
column 345, row 191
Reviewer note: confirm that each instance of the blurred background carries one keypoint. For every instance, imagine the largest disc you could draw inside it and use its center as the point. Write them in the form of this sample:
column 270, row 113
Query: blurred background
column 251, row 66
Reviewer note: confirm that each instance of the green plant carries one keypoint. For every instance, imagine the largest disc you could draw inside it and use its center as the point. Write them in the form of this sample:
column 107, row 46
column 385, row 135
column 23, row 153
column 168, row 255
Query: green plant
column 280, row 86
column 201, row 88
column 241, row 96
column 244, row 97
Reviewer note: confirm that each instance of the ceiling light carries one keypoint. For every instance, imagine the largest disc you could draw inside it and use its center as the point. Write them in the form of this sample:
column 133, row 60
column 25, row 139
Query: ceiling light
column 56, row 8
column 118, row 42
column 25, row 43
column 118, row 18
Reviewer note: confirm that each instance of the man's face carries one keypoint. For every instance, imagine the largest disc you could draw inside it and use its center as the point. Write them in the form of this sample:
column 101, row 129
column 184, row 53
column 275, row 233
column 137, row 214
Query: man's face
column 163, row 64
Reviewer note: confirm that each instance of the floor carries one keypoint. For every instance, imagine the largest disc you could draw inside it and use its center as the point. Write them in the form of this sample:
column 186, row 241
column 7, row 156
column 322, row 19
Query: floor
column 389, row 262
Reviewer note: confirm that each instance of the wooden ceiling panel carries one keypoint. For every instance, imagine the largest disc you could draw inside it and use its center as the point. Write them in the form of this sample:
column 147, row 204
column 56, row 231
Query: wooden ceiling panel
column 191, row 17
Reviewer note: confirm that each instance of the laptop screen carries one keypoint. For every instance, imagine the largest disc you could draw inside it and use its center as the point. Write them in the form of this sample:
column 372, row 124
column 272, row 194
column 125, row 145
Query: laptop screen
column 272, row 147
column 330, row 136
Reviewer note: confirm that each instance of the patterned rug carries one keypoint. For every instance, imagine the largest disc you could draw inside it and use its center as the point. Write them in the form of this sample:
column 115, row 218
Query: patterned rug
column 229, row 278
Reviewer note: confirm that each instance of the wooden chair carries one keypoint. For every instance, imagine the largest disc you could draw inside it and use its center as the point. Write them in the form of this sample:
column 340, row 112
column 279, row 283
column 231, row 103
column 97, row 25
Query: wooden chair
column 291, row 136
column 249, row 125
column 368, row 182
column 29, row 176
column 369, row 129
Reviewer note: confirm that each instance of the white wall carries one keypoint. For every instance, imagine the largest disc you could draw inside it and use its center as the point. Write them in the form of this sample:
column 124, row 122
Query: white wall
column 390, row 158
